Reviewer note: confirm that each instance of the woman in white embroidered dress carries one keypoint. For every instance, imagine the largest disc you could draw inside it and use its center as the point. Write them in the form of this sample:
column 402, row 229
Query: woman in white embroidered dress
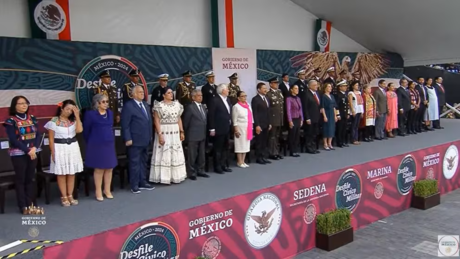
column 66, row 158
column 432, row 112
column 168, row 162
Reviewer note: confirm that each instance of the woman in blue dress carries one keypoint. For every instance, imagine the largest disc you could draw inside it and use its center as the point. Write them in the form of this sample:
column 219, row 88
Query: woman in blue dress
column 100, row 144
column 330, row 115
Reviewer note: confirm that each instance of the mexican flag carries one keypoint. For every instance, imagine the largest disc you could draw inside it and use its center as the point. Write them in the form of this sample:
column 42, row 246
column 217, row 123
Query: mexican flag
column 50, row 19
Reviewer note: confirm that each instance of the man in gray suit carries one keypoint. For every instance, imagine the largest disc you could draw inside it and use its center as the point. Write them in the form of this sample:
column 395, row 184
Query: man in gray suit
column 194, row 123
column 380, row 96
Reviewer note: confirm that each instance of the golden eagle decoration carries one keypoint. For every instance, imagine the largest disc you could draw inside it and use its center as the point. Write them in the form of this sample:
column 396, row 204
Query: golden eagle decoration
column 366, row 66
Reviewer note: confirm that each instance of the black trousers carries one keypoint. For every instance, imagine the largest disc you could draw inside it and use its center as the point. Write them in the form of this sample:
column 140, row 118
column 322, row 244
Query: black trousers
column 437, row 123
column 261, row 143
column 411, row 123
column 220, row 148
column 274, row 137
column 196, row 157
column 311, row 136
column 419, row 118
column 138, row 159
column 368, row 132
column 294, row 136
column 24, row 167
column 402, row 122
column 341, row 131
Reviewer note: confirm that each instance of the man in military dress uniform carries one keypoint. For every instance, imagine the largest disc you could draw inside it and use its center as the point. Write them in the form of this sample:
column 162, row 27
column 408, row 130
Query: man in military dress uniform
column 209, row 89
column 301, row 82
column 156, row 93
column 276, row 104
column 317, row 75
column 185, row 88
column 127, row 90
column 331, row 79
column 111, row 91
column 233, row 88
column 342, row 104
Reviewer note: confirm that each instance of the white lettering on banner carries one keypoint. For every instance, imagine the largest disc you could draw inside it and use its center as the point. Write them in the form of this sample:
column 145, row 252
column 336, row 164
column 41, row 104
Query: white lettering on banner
column 309, row 191
column 379, row 173
column 234, row 66
column 82, row 83
column 219, row 221
column 431, row 160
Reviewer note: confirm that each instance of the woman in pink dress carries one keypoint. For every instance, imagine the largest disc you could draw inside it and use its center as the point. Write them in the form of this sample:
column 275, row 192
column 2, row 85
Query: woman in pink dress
column 392, row 118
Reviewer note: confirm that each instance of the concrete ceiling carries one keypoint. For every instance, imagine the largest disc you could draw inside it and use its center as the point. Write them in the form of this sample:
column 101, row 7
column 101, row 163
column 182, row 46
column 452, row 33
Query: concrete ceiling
column 421, row 31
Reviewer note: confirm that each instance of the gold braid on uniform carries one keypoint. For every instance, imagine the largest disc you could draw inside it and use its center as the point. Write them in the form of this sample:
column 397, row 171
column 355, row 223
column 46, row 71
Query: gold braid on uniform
column 128, row 91
column 185, row 91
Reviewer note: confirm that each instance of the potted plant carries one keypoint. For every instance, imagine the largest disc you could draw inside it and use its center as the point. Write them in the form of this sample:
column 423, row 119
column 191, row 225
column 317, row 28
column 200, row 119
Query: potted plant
column 200, row 257
column 333, row 229
column 426, row 194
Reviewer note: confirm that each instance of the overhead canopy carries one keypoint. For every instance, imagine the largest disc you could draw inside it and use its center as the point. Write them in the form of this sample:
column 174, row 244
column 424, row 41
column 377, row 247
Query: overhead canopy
column 422, row 31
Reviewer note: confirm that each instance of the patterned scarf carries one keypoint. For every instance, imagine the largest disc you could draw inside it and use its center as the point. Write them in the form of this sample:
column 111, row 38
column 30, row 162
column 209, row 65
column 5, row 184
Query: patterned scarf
column 249, row 126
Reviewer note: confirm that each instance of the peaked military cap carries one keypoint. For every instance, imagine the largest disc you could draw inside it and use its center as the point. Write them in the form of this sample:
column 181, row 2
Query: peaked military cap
column 163, row 77
column 104, row 74
column 343, row 82
column 135, row 72
column 273, row 80
column 301, row 72
column 210, row 74
column 331, row 69
column 233, row 76
column 187, row 73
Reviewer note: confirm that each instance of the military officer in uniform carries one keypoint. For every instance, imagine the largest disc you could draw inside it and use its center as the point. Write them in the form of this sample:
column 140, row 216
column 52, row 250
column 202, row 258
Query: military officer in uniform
column 331, row 79
column 156, row 93
column 233, row 88
column 185, row 88
column 276, row 105
column 111, row 91
column 209, row 89
column 128, row 87
column 317, row 75
column 342, row 104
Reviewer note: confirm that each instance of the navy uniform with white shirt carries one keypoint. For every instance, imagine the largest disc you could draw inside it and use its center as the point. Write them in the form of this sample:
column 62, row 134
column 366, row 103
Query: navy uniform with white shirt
column 209, row 89
column 331, row 79
column 156, row 93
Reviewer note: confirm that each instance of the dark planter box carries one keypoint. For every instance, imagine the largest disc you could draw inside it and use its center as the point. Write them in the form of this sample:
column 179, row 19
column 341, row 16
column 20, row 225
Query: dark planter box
column 426, row 203
column 334, row 241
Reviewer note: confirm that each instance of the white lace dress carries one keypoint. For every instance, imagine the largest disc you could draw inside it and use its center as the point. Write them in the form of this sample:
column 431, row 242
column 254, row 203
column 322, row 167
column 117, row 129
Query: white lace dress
column 67, row 158
column 168, row 162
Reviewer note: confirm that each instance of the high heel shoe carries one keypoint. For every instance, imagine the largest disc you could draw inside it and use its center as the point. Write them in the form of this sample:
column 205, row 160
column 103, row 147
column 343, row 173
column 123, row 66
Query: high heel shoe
column 108, row 196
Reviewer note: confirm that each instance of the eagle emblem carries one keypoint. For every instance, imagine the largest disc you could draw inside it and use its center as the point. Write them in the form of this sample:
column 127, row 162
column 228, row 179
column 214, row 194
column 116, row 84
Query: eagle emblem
column 265, row 222
column 451, row 162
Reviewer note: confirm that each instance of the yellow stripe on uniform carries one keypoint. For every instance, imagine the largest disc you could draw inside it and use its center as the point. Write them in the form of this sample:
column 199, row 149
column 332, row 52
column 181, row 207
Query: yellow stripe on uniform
column 22, row 252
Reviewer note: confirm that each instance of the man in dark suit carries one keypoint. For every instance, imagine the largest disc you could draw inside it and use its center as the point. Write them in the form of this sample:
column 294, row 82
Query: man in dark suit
column 220, row 122
column 284, row 85
column 342, row 104
column 209, row 89
column 404, row 105
column 261, row 114
column 381, row 107
column 311, row 115
column 136, row 127
column 419, row 118
column 194, row 121
column 441, row 93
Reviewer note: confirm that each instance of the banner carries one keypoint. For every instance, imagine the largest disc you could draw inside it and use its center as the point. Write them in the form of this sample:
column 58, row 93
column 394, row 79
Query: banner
column 322, row 35
column 225, row 62
column 276, row 222
column 50, row 19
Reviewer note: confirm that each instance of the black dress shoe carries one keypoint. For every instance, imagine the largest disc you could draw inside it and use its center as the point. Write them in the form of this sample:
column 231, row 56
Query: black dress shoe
column 280, row 157
column 226, row 169
column 266, row 161
column 295, row 155
column 402, row 135
column 260, row 161
column 317, row 152
column 345, row 145
column 192, row 177
column 274, row 157
column 203, row 175
column 218, row 171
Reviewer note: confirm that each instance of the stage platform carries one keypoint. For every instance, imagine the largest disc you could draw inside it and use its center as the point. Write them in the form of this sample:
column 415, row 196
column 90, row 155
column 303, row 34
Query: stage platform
column 324, row 172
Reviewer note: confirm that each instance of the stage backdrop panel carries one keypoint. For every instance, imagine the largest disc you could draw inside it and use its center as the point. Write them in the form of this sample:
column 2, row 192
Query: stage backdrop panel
column 276, row 222
column 47, row 71
column 365, row 66
column 225, row 62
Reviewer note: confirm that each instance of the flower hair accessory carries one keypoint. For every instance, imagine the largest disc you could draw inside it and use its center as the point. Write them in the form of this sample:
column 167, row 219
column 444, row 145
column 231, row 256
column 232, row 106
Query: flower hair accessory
column 59, row 104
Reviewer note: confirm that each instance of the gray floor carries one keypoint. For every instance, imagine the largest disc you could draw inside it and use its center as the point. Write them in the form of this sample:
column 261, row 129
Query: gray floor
column 91, row 217
column 411, row 234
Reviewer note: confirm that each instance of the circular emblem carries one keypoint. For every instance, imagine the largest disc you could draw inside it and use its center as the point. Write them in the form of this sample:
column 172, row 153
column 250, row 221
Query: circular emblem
column 322, row 38
column 211, row 248
column 378, row 191
column 153, row 240
column 263, row 220
column 34, row 232
column 348, row 190
column 450, row 163
column 88, row 78
column 430, row 174
column 310, row 213
column 448, row 246
column 407, row 173
column 50, row 17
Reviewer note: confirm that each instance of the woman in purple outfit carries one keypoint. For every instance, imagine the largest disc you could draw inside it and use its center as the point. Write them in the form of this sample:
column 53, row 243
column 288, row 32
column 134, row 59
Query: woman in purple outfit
column 100, row 144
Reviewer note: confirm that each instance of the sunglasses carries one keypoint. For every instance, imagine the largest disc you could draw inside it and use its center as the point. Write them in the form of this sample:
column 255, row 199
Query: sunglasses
column 104, row 101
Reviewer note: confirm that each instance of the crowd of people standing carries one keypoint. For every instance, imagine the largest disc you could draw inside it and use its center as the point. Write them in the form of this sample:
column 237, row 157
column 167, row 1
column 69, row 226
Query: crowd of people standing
column 180, row 127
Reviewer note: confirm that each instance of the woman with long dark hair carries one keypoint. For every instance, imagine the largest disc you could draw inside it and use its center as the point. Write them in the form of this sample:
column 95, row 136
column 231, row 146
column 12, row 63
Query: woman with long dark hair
column 25, row 143
column 65, row 152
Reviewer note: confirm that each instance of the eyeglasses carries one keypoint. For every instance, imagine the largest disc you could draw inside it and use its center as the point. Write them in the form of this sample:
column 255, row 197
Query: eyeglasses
column 104, row 101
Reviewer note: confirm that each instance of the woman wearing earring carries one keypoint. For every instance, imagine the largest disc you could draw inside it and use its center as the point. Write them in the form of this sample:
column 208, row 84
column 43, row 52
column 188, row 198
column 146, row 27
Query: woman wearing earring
column 65, row 152
column 100, row 145
column 25, row 141
column 242, row 124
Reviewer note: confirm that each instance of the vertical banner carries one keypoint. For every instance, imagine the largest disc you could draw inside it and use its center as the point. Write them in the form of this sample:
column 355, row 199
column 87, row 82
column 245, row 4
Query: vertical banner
column 323, row 35
column 225, row 62
column 223, row 9
column 49, row 19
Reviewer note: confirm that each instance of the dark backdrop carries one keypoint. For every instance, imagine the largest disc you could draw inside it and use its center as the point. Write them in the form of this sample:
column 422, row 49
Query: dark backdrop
column 451, row 80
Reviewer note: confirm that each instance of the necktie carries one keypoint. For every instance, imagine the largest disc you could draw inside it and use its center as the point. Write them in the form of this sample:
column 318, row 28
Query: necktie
column 265, row 100
column 316, row 97
column 143, row 109
column 201, row 111
column 442, row 88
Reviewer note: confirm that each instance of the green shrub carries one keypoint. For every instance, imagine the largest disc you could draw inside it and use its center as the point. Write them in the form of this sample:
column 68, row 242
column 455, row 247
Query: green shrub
column 334, row 221
column 200, row 257
column 425, row 188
